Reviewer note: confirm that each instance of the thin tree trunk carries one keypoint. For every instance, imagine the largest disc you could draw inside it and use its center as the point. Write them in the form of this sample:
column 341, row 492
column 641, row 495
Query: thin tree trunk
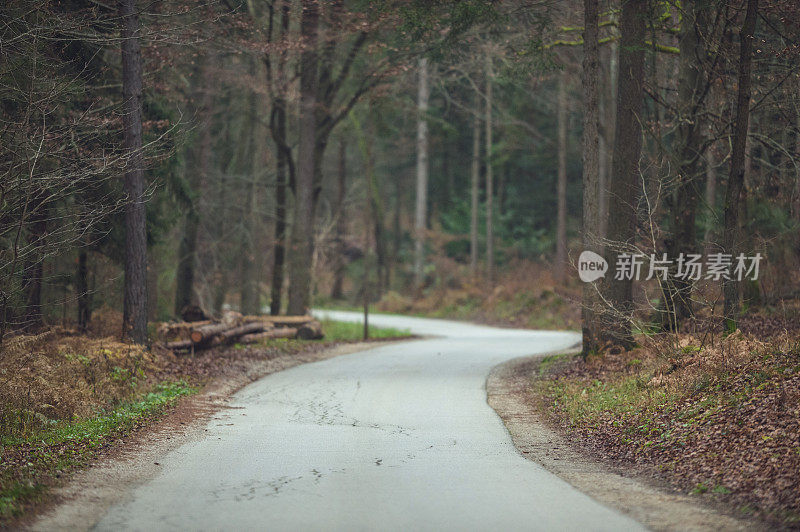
column 187, row 262
column 422, row 173
column 591, row 168
column 82, row 289
column 250, row 296
column 561, row 225
column 135, row 307
column 338, row 274
column 475, row 186
column 301, row 249
column 34, row 270
column 711, row 196
column 730, row 287
column 489, row 175
column 625, row 174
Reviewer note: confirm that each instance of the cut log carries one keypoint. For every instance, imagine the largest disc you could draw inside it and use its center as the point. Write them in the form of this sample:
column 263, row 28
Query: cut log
column 248, row 328
column 283, row 332
column 310, row 331
column 282, row 321
column 205, row 333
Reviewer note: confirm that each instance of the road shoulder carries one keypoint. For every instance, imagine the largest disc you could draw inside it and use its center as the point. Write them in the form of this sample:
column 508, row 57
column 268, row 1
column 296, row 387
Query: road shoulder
column 658, row 507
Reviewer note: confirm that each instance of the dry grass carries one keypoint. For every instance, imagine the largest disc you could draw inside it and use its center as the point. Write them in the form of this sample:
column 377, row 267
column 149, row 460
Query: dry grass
column 525, row 295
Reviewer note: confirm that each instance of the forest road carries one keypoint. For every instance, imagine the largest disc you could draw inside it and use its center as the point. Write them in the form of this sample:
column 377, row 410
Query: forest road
column 399, row 437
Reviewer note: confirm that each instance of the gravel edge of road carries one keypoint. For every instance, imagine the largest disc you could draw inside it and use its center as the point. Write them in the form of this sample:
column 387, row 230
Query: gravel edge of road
column 508, row 389
column 82, row 501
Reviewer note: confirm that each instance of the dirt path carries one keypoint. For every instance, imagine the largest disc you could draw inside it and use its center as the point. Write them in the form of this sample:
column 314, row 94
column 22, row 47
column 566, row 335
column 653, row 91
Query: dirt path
column 656, row 506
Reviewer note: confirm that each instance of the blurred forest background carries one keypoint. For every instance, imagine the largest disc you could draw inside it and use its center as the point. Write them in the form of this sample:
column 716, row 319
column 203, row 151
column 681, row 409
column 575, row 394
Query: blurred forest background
column 425, row 156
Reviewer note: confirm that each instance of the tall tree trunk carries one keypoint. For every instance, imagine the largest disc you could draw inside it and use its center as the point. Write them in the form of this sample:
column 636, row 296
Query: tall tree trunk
column 134, row 320
column 561, row 225
column 625, row 172
column 422, row 173
column 338, row 273
column 489, row 179
column 196, row 173
column 730, row 287
column 301, row 248
column 475, row 178
column 591, row 168
column 250, row 296
column 608, row 114
column 284, row 175
column 279, row 252
column 691, row 91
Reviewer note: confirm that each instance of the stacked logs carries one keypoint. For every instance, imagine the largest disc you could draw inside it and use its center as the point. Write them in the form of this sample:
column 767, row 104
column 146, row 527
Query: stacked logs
column 235, row 328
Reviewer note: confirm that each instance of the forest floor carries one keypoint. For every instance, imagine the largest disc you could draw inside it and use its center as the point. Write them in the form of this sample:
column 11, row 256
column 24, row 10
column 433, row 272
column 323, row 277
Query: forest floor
column 717, row 417
column 66, row 399
column 524, row 296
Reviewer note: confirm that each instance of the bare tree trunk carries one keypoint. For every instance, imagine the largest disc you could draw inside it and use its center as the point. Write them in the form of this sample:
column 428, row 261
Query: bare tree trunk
column 34, row 269
column 197, row 172
column 591, row 167
column 608, row 114
column 420, row 210
column 301, row 247
column 135, row 307
column 730, row 239
column 711, row 195
column 82, row 289
column 561, row 225
column 625, row 174
column 475, row 184
column 250, row 295
column 283, row 172
column 338, row 274
column 489, row 176
column 691, row 91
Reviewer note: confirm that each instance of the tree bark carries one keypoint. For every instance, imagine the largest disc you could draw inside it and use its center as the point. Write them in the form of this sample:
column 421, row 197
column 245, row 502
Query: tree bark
column 711, row 195
column 301, row 248
column 283, row 173
column 691, row 94
column 561, row 193
column 489, row 175
column 730, row 287
column 475, row 187
column 197, row 172
column 625, row 174
column 338, row 274
column 135, row 306
column 420, row 211
column 591, row 168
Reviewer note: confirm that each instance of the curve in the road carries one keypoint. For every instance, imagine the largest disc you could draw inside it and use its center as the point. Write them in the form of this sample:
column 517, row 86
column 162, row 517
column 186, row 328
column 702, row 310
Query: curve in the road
column 398, row 437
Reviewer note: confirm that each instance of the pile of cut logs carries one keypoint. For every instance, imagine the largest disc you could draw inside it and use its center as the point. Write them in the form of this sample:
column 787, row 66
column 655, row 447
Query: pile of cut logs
column 235, row 328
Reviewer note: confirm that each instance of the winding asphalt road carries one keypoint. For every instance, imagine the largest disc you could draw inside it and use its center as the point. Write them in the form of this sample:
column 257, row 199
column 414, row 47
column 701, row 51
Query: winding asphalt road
column 398, row 437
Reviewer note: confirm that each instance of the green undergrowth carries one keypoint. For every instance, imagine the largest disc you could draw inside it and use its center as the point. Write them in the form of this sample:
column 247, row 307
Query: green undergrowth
column 342, row 331
column 31, row 460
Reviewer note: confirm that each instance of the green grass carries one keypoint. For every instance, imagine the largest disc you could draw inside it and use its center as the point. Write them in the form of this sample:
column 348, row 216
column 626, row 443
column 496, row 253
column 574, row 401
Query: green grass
column 65, row 445
column 340, row 331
